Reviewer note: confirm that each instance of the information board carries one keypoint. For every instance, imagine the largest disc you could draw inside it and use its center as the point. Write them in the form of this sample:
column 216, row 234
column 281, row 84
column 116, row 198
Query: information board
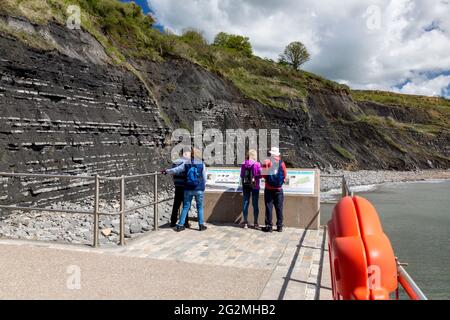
column 228, row 180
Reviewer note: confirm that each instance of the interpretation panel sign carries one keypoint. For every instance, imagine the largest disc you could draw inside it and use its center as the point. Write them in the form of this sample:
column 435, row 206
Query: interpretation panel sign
column 228, row 179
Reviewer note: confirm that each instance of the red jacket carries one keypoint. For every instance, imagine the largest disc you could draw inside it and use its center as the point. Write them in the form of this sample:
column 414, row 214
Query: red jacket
column 267, row 164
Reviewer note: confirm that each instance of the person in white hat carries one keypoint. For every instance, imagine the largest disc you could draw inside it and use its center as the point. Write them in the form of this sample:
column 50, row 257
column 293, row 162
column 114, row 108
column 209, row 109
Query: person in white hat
column 275, row 152
column 274, row 173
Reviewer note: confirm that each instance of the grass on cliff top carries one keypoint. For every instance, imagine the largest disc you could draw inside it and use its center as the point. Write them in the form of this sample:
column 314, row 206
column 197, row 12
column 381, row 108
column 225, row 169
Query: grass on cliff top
column 438, row 108
column 388, row 123
column 403, row 100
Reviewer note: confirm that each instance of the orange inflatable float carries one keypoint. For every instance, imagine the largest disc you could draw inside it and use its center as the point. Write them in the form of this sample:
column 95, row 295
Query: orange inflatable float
column 363, row 265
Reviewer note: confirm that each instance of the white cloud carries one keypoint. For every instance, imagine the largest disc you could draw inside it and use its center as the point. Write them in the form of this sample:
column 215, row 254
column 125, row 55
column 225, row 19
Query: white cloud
column 374, row 44
column 425, row 86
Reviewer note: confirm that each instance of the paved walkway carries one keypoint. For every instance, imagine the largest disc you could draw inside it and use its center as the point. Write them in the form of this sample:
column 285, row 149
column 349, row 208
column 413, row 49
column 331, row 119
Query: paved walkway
column 224, row 262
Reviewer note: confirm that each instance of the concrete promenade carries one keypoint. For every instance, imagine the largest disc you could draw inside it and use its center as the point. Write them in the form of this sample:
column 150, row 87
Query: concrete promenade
column 224, row 262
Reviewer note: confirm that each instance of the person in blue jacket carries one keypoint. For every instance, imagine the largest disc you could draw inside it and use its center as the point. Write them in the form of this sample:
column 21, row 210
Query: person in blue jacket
column 194, row 171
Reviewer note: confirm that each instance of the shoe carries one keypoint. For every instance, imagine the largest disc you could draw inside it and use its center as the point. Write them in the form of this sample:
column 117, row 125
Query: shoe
column 256, row 226
column 279, row 229
column 245, row 225
column 180, row 228
column 173, row 224
column 267, row 229
column 187, row 225
column 202, row 227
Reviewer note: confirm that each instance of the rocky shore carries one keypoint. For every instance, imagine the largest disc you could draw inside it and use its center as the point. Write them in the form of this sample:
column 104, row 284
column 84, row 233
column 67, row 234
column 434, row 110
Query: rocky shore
column 365, row 178
column 78, row 228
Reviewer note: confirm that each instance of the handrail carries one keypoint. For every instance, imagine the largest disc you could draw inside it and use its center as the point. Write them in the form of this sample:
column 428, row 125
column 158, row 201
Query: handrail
column 346, row 188
column 346, row 191
column 96, row 212
column 142, row 175
column 411, row 288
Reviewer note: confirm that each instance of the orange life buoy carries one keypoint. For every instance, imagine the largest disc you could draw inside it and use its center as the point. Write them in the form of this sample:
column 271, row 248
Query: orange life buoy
column 362, row 262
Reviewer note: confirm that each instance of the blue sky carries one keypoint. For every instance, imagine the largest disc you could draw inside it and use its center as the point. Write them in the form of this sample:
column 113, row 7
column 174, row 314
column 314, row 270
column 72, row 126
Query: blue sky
column 396, row 45
column 142, row 3
column 146, row 8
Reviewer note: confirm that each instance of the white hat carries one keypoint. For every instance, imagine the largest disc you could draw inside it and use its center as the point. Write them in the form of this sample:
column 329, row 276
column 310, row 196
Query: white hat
column 274, row 151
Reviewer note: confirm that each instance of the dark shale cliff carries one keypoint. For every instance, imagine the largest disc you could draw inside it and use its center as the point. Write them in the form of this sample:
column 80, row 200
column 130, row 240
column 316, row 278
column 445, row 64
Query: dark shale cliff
column 72, row 111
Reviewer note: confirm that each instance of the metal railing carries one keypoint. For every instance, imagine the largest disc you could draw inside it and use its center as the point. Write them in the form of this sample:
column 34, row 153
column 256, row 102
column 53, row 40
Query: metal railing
column 411, row 289
column 96, row 213
column 345, row 188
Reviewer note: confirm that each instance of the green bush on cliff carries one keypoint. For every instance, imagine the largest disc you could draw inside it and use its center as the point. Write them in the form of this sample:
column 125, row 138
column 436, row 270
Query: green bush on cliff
column 235, row 42
column 194, row 37
column 126, row 26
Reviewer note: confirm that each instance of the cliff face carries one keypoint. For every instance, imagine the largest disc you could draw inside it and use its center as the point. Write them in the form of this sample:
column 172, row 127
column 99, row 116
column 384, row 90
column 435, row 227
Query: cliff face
column 67, row 114
column 324, row 131
column 71, row 111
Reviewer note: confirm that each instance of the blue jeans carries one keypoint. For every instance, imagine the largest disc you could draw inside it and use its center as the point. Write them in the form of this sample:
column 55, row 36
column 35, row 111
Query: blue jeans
column 255, row 197
column 188, row 196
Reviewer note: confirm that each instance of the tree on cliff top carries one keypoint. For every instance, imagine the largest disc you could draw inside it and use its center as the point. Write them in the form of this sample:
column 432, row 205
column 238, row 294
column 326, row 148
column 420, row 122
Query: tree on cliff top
column 235, row 42
column 295, row 54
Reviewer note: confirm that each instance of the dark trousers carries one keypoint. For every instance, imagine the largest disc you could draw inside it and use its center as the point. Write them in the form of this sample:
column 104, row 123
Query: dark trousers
column 177, row 202
column 274, row 198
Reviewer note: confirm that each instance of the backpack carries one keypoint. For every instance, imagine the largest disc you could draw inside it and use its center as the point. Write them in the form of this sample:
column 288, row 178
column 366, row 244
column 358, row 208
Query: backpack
column 249, row 181
column 193, row 175
column 276, row 175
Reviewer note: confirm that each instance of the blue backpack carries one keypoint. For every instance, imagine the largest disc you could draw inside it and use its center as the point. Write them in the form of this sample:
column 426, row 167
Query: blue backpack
column 276, row 175
column 194, row 175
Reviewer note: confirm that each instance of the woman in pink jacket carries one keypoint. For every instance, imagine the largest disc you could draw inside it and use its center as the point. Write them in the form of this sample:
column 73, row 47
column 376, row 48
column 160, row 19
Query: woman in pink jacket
column 250, row 178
